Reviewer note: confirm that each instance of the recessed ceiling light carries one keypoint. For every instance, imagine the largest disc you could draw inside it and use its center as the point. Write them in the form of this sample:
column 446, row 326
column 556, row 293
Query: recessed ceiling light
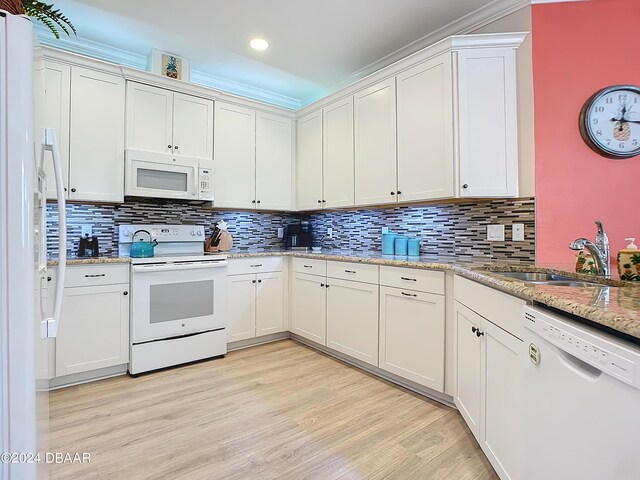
column 259, row 44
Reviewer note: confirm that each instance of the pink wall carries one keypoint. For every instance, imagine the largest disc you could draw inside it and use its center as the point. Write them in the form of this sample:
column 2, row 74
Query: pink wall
column 579, row 48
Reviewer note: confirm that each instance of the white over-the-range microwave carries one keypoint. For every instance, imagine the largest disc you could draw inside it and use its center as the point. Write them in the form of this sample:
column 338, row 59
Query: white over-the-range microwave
column 162, row 175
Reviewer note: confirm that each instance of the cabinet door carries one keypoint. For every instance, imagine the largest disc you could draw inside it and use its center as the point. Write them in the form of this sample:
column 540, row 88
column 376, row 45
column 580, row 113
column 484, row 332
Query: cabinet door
column 56, row 115
column 192, row 126
column 273, row 161
column 352, row 319
column 94, row 329
column 270, row 303
column 309, row 162
column 375, row 144
column 241, row 316
column 309, row 307
column 487, row 122
column 425, row 131
column 96, row 162
column 338, row 158
column 234, row 153
column 501, row 395
column 412, row 329
column 149, row 118
column 467, row 368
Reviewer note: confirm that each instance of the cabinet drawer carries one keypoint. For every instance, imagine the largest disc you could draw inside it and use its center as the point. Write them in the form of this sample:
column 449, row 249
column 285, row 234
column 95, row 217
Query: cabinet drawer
column 241, row 266
column 428, row 281
column 310, row 265
column 353, row 271
column 502, row 309
column 96, row 274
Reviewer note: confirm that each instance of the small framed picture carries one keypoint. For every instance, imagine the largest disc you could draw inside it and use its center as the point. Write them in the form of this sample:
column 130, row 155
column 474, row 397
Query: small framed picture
column 170, row 65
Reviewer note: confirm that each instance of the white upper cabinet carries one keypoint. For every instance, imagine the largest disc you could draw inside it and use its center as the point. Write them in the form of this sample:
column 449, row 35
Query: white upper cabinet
column 149, row 118
column 425, row 131
column 487, row 123
column 309, row 161
column 234, row 156
column 159, row 120
column 56, row 115
column 274, row 146
column 338, row 155
column 192, row 126
column 96, row 156
column 375, row 144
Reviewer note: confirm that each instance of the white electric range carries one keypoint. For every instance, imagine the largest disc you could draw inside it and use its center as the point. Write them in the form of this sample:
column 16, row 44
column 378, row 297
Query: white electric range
column 178, row 298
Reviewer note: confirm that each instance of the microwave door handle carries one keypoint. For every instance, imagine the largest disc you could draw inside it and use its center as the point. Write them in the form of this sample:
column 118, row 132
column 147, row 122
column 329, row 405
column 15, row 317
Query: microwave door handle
column 196, row 183
column 51, row 145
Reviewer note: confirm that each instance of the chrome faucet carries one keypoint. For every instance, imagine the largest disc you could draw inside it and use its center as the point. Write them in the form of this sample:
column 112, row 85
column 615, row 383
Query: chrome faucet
column 599, row 251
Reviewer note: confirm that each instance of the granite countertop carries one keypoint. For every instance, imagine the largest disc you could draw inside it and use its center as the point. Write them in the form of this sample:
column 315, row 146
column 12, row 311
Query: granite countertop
column 614, row 304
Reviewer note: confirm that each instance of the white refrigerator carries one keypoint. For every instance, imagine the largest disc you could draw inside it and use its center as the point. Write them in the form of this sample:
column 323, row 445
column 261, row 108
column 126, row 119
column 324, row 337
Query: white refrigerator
column 26, row 331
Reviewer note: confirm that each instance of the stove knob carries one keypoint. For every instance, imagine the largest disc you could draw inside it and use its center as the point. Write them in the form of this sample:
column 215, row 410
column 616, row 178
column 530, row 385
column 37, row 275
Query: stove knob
column 199, row 233
column 193, row 233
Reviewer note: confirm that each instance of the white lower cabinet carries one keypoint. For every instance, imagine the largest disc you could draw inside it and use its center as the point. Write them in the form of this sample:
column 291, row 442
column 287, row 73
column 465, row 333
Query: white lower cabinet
column 352, row 319
column 412, row 335
column 488, row 383
column 256, row 300
column 309, row 307
column 94, row 325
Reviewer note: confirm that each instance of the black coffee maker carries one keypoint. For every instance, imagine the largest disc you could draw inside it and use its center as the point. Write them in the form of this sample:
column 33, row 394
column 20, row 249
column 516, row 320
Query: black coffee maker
column 298, row 236
column 88, row 246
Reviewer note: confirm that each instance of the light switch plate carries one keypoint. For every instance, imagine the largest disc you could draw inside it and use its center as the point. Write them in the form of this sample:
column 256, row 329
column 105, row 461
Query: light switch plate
column 517, row 232
column 495, row 233
column 87, row 231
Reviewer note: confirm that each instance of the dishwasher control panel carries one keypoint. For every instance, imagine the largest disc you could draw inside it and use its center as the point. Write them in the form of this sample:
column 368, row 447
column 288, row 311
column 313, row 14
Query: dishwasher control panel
column 610, row 356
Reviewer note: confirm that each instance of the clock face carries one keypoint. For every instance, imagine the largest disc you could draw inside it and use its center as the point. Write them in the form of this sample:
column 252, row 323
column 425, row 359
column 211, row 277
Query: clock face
column 610, row 122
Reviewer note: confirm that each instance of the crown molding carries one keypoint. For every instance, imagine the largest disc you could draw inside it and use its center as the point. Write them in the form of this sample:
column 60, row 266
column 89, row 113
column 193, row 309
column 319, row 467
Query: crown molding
column 466, row 24
column 450, row 44
column 95, row 50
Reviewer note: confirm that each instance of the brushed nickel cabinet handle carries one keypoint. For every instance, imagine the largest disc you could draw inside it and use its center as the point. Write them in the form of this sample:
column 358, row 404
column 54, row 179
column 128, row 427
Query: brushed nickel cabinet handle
column 409, row 294
column 97, row 275
column 409, row 279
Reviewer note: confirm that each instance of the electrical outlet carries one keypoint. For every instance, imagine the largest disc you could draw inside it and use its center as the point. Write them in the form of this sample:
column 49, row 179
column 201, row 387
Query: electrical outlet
column 280, row 232
column 385, row 229
column 517, row 232
column 495, row 233
column 87, row 231
column 330, row 232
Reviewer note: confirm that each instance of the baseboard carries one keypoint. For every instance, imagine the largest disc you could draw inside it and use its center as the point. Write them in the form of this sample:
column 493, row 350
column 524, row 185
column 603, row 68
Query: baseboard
column 86, row 377
column 378, row 372
column 252, row 342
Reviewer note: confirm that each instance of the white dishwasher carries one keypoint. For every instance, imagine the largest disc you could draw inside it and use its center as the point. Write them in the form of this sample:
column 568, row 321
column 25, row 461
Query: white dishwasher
column 581, row 402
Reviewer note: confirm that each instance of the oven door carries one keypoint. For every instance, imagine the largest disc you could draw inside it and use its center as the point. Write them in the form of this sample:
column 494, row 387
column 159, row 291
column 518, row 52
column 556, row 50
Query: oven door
column 173, row 300
column 160, row 175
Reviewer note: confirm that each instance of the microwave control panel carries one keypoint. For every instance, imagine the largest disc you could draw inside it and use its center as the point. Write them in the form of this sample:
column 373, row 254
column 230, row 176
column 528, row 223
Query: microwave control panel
column 206, row 184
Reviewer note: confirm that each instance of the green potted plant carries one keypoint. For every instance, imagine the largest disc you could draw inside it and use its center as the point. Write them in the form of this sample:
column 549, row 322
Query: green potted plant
column 44, row 12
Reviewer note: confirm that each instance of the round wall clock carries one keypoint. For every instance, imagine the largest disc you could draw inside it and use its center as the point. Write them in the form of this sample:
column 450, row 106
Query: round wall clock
column 610, row 121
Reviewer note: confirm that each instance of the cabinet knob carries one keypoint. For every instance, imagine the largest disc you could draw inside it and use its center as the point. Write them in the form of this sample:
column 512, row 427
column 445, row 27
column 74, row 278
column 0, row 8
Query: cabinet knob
column 65, row 189
column 125, row 293
column 73, row 190
column 324, row 201
column 48, row 279
column 319, row 201
column 169, row 146
column 259, row 281
column 253, row 201
column 466, row 185
column 393, row 193
column 175, row 148
column 327, row 285
column 399, row 192
column 253, row 281
column 322, row 284
column 477, row 331
column 258, row 201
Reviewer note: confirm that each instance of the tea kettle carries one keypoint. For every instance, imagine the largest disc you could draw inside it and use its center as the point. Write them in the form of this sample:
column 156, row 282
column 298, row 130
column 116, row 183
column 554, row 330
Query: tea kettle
column 142, row 249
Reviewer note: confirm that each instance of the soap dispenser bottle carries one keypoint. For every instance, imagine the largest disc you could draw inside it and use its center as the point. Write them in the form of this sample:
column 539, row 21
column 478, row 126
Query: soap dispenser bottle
column 629, row 261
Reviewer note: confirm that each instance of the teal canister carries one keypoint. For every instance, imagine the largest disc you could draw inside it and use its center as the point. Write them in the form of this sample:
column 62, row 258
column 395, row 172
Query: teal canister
column 401, row 244
column 388, row 240
column 414, row 247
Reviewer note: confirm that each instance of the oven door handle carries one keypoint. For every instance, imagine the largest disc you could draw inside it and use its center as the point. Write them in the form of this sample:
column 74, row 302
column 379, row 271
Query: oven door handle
column 177, row 266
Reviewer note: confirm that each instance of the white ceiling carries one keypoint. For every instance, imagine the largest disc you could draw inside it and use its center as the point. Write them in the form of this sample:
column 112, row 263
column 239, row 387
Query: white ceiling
column 316, row 46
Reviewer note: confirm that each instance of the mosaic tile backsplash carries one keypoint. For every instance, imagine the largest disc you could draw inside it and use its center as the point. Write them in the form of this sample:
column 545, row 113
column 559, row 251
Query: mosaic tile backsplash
column 452, row 229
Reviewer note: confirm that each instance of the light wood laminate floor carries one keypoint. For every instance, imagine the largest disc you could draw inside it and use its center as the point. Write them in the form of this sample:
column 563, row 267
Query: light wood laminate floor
column 276, row 411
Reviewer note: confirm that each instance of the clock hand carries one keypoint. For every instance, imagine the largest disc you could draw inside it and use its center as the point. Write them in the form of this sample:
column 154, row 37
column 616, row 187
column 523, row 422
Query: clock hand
column 622, row 120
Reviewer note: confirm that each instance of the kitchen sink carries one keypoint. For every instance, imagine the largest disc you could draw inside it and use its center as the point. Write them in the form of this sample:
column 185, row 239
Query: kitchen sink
column 552, row 279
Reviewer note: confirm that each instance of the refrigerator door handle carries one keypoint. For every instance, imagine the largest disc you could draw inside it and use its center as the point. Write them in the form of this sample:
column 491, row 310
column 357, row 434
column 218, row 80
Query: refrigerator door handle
column 51, row 145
